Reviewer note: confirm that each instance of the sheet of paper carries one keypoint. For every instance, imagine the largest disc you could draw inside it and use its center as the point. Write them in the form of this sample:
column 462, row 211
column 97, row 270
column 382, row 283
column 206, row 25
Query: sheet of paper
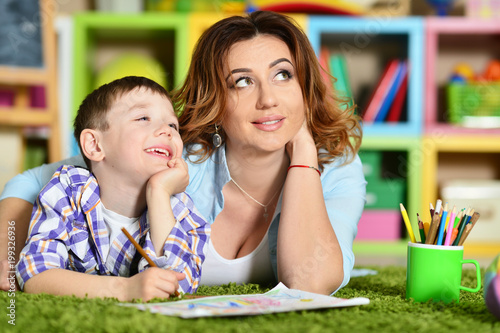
column 279, row 299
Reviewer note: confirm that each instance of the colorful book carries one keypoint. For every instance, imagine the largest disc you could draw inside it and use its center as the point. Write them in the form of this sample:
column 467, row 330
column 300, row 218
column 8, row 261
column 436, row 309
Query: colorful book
column 392, row 91
column 380, row 91
column 396, row 109
column 341, row 85
column 324, row 56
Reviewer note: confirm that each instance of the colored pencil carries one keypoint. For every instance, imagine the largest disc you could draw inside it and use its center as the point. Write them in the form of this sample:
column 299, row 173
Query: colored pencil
column 407, row 223
column 450, row 225
column 439, row 202
column 421, row 229
column 143, row 253
column 447, row 227
column 454, row 234
column 462, row 225
column 468, row 228
column 427, row 225
column 442, row 224
column 422, row 232
column 431, row 236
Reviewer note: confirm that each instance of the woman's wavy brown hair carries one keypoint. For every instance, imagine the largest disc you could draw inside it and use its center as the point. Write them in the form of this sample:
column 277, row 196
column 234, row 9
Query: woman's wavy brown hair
column 203, row 96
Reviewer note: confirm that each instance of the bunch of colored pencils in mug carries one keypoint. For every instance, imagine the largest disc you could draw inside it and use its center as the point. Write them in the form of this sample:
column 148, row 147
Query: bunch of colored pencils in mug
column 447, row 227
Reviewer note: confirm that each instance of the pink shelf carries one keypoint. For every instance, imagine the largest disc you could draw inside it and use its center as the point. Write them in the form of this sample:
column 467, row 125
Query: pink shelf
column 434, row 27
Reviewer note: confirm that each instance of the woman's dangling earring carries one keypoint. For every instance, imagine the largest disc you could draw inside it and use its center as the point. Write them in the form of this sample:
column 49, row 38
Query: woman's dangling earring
column 217, row 139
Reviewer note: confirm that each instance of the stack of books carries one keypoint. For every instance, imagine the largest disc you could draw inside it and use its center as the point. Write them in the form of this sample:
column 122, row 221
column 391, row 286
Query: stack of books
column 388, row 97
column 387, row 100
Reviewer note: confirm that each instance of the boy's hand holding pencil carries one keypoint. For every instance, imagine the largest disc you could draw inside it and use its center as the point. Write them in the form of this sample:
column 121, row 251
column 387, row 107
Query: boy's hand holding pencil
column 151, row 263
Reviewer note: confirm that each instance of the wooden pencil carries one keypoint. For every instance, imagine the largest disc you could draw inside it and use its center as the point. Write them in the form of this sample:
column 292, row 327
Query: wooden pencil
column 438, row 207
column 422, row 232
column 431, row 236
column 469, row 227
column 143, row 253
column 421, row 229
column 407, row 222
column 427, row 225
column 139, row 248
column 461, row 227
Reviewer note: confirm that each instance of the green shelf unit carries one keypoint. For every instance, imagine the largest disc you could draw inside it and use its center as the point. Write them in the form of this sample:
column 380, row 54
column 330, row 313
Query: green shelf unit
column 377, row 249
column 163, row 35
column 409, row 167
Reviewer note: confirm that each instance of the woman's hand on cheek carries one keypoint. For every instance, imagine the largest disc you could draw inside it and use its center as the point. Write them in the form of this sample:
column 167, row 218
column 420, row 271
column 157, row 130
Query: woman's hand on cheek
column 301, row 148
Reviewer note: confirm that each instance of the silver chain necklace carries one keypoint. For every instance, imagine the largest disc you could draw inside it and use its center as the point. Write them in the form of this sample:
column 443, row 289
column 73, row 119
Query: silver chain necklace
column 258, row 202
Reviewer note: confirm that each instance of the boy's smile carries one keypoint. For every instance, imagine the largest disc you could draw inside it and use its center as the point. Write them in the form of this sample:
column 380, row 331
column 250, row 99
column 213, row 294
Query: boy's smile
column 142, row 135
column 165, row 152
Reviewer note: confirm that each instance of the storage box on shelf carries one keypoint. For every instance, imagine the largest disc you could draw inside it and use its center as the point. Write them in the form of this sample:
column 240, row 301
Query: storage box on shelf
column 475, row 104
column 381, row 220
column 450, row 41
column 379, row 225
column 368, row 44
column 387, row 187
column 481, row 195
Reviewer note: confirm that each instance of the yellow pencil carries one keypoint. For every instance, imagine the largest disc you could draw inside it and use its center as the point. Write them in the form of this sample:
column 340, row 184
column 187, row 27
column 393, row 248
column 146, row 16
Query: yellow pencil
column 407, row 223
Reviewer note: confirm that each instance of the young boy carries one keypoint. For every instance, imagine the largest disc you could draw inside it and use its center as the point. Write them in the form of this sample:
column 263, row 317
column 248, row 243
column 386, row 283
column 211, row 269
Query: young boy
column 128, row 134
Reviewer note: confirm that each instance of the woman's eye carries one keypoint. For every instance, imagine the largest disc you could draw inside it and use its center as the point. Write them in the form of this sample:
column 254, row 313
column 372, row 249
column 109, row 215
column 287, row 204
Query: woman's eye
column 243, row 82
column 144, row 118
column 283, row 75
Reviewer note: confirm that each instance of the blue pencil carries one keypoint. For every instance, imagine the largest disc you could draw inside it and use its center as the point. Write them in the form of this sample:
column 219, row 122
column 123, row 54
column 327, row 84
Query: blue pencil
column 442, row 225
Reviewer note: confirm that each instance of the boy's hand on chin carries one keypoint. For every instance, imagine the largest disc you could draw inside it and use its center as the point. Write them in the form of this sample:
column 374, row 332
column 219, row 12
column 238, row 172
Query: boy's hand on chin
column 173, row 180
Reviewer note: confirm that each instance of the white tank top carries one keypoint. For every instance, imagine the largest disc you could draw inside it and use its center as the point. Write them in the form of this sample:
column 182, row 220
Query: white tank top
column 255, row 267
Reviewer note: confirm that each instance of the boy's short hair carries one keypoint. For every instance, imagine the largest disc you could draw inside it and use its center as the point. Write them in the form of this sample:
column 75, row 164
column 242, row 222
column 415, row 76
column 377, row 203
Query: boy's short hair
column 94, row 108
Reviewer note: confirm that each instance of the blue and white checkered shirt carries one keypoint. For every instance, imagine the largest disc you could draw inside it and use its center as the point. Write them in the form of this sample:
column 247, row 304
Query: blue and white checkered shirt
column 67, row 231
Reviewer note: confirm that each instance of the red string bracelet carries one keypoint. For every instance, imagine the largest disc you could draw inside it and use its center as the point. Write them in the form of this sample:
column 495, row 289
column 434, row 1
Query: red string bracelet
column 304, row 166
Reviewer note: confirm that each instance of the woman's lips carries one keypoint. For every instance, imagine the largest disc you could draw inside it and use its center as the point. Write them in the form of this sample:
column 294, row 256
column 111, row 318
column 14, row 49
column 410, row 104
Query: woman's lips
column 269, row 124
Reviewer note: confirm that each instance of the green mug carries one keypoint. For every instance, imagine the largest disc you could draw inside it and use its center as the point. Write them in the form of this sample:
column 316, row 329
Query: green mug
column 435, row 272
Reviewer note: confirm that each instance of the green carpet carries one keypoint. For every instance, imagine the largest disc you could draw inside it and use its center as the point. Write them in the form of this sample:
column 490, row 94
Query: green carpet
column 388, row 311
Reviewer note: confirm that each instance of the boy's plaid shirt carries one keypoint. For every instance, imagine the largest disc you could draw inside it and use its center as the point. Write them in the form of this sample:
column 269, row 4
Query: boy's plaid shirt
column 67, row 231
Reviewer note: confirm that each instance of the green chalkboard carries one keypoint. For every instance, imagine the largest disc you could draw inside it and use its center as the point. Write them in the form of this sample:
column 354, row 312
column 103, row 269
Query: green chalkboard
column 20, row 33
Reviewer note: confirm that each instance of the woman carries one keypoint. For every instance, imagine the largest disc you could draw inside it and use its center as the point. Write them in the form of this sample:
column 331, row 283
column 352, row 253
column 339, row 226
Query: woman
column 272, row 158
